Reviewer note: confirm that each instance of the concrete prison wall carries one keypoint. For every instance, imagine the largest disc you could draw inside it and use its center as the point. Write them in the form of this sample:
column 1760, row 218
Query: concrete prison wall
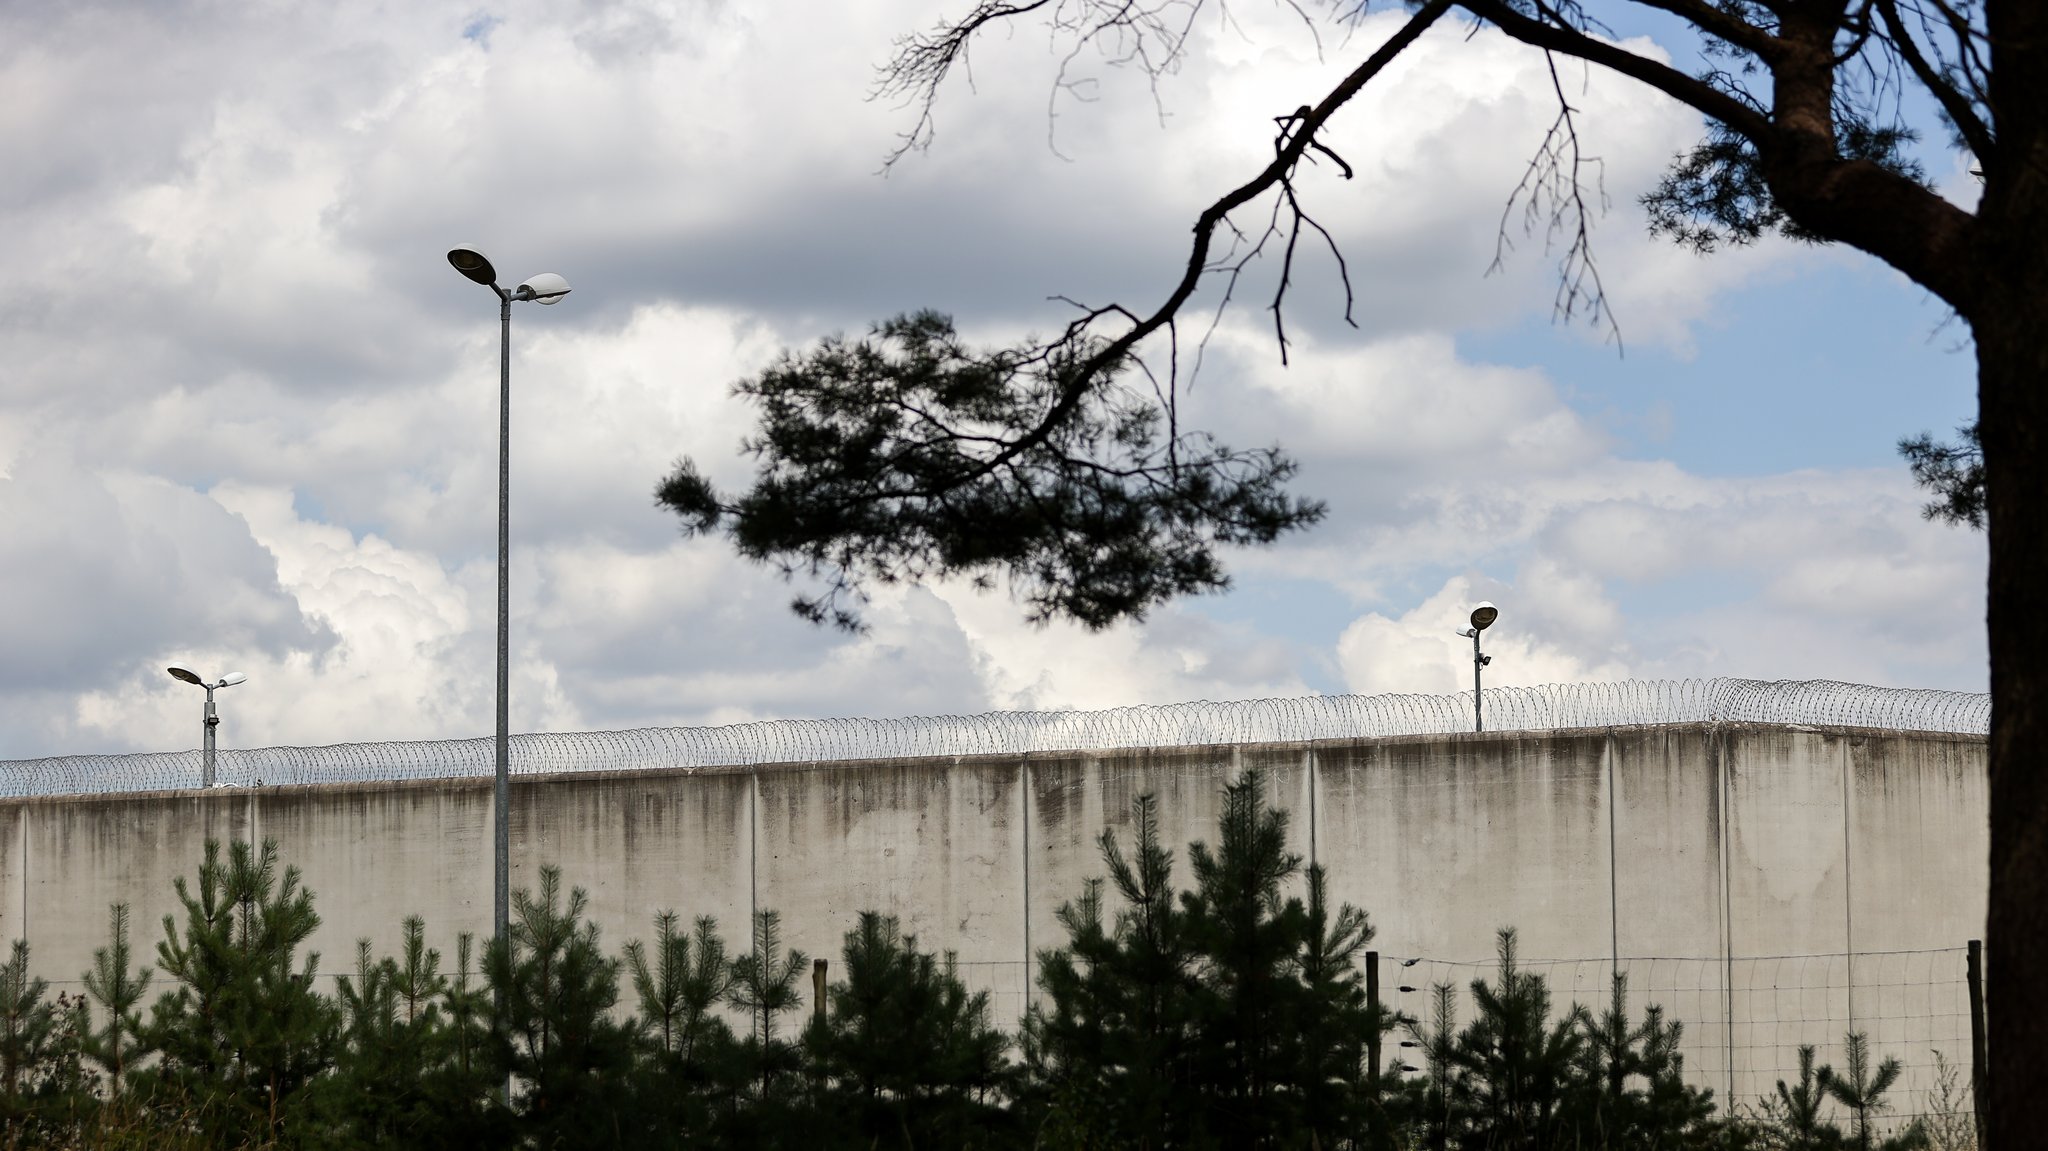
column 1770, row 885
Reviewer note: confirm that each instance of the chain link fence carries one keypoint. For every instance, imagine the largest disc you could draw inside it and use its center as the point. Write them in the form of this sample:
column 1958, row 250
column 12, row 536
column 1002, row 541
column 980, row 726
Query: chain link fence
column 1746, row 1017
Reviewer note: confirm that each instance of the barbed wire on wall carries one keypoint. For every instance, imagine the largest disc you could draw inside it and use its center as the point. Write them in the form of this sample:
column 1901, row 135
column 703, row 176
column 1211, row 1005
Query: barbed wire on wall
column 1818, row 703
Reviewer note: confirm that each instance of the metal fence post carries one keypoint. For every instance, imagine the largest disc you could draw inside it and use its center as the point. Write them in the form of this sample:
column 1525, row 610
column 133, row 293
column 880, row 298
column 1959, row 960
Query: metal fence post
column 1979, row 1072
column 1372, row 996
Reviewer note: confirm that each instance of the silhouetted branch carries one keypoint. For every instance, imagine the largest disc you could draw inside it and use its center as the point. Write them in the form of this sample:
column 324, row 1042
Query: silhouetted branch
column 1553, row 194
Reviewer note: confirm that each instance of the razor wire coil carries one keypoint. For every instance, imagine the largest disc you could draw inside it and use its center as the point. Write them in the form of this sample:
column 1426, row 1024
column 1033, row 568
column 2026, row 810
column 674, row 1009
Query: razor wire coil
column 1552, row 707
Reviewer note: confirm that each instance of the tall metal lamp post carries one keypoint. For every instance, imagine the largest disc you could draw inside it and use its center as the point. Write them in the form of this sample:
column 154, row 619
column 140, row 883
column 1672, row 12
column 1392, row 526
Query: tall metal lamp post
column 546, row 288
column 212, row 717
column 1482, row 618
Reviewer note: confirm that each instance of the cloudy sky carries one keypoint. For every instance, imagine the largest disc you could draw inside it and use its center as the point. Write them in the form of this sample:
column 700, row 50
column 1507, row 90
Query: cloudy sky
column 248, row 413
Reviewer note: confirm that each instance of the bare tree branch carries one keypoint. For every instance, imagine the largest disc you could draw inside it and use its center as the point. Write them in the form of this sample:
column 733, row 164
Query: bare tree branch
column 1695, row 93
column 924, row 60
column 1289, row 155
column 1974, row 131
column 1149, row 33
column 1857, row 200
column 1553, row 191
column 1720, row 24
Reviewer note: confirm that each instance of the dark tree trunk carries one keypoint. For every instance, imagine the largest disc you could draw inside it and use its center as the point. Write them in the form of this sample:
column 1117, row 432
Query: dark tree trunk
column 2009, row 320
column 2012, row 356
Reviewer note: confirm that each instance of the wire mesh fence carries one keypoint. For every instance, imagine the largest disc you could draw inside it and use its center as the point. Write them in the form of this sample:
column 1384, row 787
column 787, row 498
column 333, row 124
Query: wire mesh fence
column 1910, row 1005
column 1824, row 703
column 1745, row 1018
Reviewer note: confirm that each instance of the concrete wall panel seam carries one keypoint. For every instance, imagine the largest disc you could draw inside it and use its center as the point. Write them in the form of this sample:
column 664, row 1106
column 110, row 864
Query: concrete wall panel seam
column 1846, row 766
column 1024, row 832
column 1613, row 859
column 1308, row 765
column 1719, row 763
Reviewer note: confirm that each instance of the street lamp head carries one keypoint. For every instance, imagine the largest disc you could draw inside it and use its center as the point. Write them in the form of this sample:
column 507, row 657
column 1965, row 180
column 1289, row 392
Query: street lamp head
column 188, row 677
column 475, row 265
column 1484, row 615
column 231, row 679
column 546, row 288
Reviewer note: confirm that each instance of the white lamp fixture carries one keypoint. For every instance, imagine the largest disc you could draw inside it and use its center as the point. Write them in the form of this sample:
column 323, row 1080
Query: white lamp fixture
column 546, row 288
column 212, row 719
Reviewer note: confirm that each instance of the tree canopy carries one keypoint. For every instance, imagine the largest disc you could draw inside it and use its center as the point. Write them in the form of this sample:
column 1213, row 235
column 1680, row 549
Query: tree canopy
column 905, row 456
column 1062, row 466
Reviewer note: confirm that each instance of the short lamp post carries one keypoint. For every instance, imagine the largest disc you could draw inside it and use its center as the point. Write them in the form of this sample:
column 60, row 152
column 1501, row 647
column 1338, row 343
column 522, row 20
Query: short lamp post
column 1482, row 618
column 212, row 717
column 546, row 288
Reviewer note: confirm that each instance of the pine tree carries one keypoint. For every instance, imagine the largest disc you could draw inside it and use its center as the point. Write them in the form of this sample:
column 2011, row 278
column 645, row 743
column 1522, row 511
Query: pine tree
column 1793, row 1114
column 376, row 1067
column 244, row 1030
column 1248, row 1002
column 43, row 1090
column 1441, row 1103
column 416, row 980
column 1338, row 1024
column 765, row 987
column 682, row 1036
column 1517, row 1067
column 28, row 1027
column 555, row 1032
column 117, row 991
column 1109, row 1048
column 1634, row 1080
column 1228, row 1014
column 398, row 1078
column 909, row 1051
column 680, row 991
column 467, row 1007
column 1860, row 1088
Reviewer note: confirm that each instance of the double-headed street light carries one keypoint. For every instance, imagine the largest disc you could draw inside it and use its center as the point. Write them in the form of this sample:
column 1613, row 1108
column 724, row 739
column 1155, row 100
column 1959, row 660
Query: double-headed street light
column 212, row 717
column 1482, row 618
column 546, row 288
